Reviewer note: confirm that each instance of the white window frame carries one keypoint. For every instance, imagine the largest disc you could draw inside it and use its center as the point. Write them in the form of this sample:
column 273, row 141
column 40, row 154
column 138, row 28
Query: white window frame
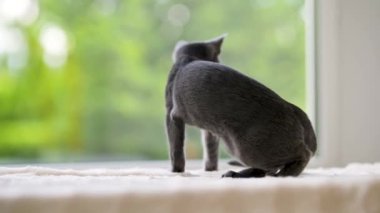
column 322, row 79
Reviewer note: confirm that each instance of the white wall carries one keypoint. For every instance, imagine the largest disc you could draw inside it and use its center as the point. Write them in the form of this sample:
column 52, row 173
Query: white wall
column 348, row 80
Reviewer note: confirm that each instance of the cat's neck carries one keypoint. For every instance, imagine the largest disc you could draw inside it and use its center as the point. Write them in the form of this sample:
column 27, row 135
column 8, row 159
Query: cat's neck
column 185, row 59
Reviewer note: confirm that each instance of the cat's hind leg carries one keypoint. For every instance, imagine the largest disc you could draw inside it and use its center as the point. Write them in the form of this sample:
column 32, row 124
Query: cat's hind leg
column 293, row 168
column 296, row 166
column 235, row 163
column 210, row 150
column 246, row 173
column 175, row 128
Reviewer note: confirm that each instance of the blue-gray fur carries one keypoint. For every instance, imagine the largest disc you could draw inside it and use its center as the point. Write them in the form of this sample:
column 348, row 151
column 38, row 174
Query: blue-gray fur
column 261, row 130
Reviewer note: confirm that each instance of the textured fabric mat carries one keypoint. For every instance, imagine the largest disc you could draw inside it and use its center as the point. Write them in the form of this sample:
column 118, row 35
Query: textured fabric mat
column 355, row 188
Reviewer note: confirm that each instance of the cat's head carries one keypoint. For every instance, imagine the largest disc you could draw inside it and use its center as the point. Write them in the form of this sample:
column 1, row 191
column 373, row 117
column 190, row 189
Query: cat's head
column 207, row 50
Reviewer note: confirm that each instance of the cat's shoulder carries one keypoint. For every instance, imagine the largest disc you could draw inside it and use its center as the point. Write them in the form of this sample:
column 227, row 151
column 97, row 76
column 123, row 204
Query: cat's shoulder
column 199, row 65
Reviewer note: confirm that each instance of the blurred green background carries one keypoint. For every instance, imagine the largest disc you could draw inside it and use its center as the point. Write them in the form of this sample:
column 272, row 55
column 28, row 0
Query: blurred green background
column 84, row 80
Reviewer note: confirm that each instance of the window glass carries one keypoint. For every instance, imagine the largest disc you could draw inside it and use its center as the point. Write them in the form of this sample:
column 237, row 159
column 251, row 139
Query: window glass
column 84, row 80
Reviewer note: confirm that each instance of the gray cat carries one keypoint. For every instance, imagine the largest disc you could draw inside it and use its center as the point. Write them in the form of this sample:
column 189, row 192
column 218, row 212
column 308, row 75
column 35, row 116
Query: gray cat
column 261, row 130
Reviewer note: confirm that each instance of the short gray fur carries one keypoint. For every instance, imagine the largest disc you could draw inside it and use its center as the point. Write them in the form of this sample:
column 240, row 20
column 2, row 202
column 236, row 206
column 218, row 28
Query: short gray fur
column 261, row 130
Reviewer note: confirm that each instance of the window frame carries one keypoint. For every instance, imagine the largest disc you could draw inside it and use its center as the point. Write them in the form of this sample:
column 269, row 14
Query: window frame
column 323, row 79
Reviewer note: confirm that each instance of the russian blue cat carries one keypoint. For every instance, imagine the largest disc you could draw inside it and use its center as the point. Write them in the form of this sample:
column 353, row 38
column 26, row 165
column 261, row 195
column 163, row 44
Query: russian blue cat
column 264, row 132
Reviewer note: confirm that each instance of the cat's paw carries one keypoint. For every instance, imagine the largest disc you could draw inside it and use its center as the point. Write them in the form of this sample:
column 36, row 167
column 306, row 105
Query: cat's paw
column 178, row 169
column 211, row 167
column 230, row 174
column 178, row 165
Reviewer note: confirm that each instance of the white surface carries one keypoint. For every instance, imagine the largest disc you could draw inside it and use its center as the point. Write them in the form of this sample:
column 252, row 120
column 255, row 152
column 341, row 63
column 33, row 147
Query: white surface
column 348, row 80
column 355, row 188
column 360, row 68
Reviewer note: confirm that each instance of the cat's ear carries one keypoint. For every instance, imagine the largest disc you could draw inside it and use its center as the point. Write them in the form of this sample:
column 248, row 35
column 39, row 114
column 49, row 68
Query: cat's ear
column 180, row 44
column 216, row 43
column 176, row 48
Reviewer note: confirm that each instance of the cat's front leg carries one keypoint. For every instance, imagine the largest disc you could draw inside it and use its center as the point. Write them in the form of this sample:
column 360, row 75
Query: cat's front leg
column 175, row 128
column 210, row 150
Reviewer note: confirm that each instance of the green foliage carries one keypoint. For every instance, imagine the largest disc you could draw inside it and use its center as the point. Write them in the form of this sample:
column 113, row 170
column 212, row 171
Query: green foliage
column 108, row 98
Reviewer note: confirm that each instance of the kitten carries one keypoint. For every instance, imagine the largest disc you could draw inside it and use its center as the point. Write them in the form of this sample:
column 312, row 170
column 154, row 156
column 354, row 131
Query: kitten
column 261, row 130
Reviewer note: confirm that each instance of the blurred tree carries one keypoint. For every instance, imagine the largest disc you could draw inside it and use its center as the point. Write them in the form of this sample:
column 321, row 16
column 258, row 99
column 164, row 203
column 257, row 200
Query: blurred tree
column 95, row 71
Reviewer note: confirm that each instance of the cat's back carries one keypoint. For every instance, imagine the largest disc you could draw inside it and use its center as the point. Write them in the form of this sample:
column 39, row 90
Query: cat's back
column 210, row 73
column 207, row 91
column 204, row 78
